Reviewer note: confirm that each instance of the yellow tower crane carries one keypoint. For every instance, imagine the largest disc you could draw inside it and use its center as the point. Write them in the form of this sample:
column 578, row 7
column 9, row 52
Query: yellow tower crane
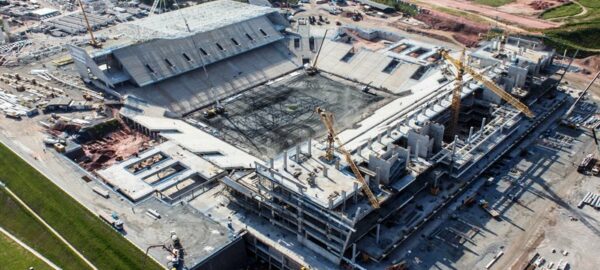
column 486, row 82
column 327, row 119
column 456, row 97
column 93, row 40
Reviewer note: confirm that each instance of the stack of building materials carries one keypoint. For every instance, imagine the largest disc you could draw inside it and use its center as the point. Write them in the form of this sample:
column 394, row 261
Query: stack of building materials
column 11, row 105
column 591, row 199
column 74, row 23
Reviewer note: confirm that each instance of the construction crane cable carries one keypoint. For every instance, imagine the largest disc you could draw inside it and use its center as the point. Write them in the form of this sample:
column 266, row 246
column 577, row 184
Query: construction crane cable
column 202, row 63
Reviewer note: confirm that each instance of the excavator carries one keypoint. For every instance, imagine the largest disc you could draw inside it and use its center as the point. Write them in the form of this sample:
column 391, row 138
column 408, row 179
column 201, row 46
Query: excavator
column 327, row 119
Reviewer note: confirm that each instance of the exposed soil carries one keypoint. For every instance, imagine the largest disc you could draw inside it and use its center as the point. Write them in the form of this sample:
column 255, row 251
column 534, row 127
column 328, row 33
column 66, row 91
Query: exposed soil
column 591, row 64
column 502, row 13
column 113, row 147
column 530, row 7
column 464, row 31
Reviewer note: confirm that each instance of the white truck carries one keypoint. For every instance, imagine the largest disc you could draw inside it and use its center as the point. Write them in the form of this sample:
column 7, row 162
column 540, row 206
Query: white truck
column 113, row 220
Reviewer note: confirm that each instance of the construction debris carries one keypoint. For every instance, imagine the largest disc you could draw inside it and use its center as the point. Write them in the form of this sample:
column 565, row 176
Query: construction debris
column 110, row 143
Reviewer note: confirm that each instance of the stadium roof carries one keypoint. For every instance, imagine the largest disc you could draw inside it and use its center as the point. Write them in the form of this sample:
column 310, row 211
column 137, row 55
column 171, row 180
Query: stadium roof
column 200, row 18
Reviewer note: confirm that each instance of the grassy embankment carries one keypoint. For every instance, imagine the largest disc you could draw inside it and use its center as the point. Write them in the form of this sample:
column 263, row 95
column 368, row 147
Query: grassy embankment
column 99, row 243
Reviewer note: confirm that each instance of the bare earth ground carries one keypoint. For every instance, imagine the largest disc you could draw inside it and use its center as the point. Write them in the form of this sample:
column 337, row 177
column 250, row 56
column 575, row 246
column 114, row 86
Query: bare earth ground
column 494, row 13
column 522, row 7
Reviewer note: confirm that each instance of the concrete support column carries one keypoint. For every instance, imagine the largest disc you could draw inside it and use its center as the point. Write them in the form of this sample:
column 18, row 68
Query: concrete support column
column 389, row 131
column 337, row 164
column 298, row 153
column 417, row 150
column 407, row 156
column 354, row 253
column 309, row 147
column 469, row 140
column 377, row 233
column 379, row 137
column 271, row 163
column 344, row 197
column 454, row 146
column 285, row 157
column 325, row 171
column 355, row 188
column 367, row 178
column 377, row 176
column 482, row 125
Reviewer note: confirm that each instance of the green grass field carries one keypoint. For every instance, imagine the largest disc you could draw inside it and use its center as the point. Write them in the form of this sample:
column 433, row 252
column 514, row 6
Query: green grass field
column 579, row 31
column 24, row 226
column 14, row 256
column 590, row 3
column 494, row 3
column 569, row 9
column 99, row 243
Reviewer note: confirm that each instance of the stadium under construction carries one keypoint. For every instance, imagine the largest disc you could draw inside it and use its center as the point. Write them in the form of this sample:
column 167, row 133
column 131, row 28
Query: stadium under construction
column 315, row 149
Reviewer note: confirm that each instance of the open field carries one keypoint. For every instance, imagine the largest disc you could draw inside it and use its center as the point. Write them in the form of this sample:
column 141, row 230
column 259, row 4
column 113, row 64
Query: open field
column 20, row 223
column 525, row 22
column 569, row 9
column 100, row 244
column 494, row 3
column 14, row 256
column 579, row 31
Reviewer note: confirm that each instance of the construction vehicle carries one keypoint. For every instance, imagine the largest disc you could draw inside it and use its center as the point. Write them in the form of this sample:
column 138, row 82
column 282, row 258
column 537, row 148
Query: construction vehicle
column 586, row 164
column 398, row 266
column 112, row 219
column 102, row 192
column 486, row 207
column 356, row 16
column 366, row 87
column 213, row 111
column 469, row 201
column 175, row 250
column 93, row 40
column 327, row 119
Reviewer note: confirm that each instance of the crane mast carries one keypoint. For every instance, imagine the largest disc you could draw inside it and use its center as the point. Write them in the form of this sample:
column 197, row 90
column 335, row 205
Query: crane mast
column 456, row 97
column 488, row 83
column 93, row 41
column 327, row 119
